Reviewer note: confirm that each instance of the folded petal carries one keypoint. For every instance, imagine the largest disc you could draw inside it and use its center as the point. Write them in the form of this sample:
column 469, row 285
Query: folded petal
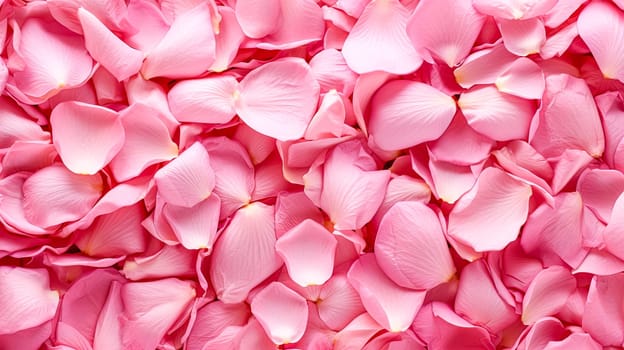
column 601, row 25
column 490, row 215
column 167, row 262
column 108, row 328
column 392, row 306
column 66, row 63
column 580, row 341
column 188, row 179
column 547, row 293
column 483, row 66
column 555, row 233
column 410, row 247
column 308, row 250
column 603, row 318
column 196, row 226
column 407, row 105
column 87, row 137
column 207, row 100
column 278, row 99
column 523, row 37
column 498, row 115
column 26, row 298
column 54, row 195
column 379, row 41
column 151, row 309
column 107, row 49
column 338, row 302
column 332, row 72
column 510, row 9
column 449, row 40
column 329, row 120
column 244, row 255
column 190, row 33
column 147, row 142
column 613, row 234
column 282, row 313
column 16, row 125
column 213, row 320
column 351, row 191
column 567, row 101
column 479, row 301
column 523, row 78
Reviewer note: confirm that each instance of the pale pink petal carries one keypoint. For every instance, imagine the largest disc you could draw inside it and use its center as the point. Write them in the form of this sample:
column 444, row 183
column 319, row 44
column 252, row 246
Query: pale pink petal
column 604, row 317
column 148, row 22
column 16, row 125
column 207, row 100
column 365, row 87
column 308, row 250
column 403, row 188
column 407, row 105
column 520, row 159
column 107, row 49
column 279, row 98
column 490, row 215
column 410, row 247
column 26, row 156
column 613, row 234
column 379, row 41
column 475, row 147
column 188, row 179
column 269, row 181
column 567, row 166
column 393, row 307
column 198, row 46
column 291, row 208
column 54, row 195
column 147, row 142
column 338, row 303
column 282, row 313
column 26, row 298
column 601, row 263
column 213, row 320
column 86, row 136
column 234, row 173
column 328, row 121
column 449, row 181
column 195, row 227
column 561, row 12
column 568, row 119
column 523, row 37
column 449, row 40
column 244, row 255
column 352, row 190
column 152, row 94
column 554, row 233
column 547, row 293
column 479, row 301
column 151, row 308
column 509, row 9
column 169, row 261
column 115, row 234
column 601, row 25
column 108, row 328
column 498, row 115
column 611, row 107
column 441, row 328
column 558, row 43
column 580, row 341
column 228, row 39
column 523, row 78
column 483, row 66
column 357, row 333
column 258, row 19
column 66, row 62
column 332, row 72
column 543, row 331
column 260, row 147
column 301, row 23
column 252, row 336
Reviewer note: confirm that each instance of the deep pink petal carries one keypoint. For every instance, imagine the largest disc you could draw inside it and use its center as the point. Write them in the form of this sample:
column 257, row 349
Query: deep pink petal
column 244, row 255
column 379, row 41
column 108, row 328
column 449, row 40
column 613, row 234
column 580, row 341
column 282, row 313
column 410, row 247
column 279, row 98
column 490, row 215
column 87, row 137
column 407, row 105
column 392, row 306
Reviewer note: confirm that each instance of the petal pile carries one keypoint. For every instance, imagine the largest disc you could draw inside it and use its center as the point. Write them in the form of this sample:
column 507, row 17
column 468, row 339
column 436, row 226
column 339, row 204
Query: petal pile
column 311, row 174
